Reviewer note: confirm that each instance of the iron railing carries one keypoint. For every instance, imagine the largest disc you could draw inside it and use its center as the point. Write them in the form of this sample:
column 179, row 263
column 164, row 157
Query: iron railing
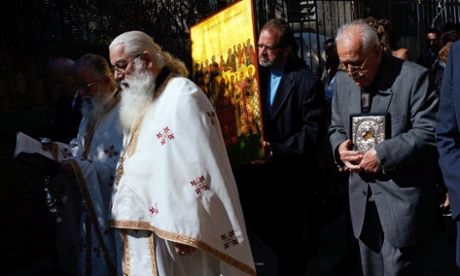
column 35, row 30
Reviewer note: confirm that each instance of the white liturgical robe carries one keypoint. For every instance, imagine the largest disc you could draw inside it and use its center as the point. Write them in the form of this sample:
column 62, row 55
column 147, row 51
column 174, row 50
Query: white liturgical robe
column 175, row 185
column 94, row 166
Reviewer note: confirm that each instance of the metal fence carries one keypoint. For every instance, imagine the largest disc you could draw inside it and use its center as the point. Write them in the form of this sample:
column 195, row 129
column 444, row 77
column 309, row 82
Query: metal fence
column 32, row 31
column 319, row 20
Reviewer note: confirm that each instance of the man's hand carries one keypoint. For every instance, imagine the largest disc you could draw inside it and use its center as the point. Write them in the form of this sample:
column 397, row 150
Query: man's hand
column 350, row 158
column 357, row 162
column 184, row 250
column 370, row 163
column 267, row 157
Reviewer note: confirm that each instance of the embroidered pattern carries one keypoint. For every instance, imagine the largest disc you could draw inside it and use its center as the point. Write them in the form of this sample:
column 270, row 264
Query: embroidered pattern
column 200, row 184
column 119, row 171
column 111, row 152
column 130, row 148
column 97, row 251
column 154, row 210
column 166, row 135
column 229, row 239
column 212, row 116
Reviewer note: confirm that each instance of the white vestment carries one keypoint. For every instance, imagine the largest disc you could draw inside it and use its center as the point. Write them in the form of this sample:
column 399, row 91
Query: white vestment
column 94, row 167
column 175, row 185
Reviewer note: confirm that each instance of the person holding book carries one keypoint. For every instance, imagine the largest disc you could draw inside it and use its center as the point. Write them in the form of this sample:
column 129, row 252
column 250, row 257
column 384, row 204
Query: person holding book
column 176, row 209
column 87, row 177
column 392, row 184
column 294, row 123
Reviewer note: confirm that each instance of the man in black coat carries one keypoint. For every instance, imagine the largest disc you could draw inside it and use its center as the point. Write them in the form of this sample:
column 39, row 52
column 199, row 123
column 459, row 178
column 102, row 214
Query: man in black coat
column 275, row 190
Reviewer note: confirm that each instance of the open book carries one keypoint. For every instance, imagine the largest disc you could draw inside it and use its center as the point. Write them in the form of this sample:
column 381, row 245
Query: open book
column 44, row 158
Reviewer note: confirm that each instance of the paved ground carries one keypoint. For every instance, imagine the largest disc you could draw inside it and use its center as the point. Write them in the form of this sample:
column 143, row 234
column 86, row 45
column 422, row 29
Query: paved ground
column 440, row 260
column 27, row 238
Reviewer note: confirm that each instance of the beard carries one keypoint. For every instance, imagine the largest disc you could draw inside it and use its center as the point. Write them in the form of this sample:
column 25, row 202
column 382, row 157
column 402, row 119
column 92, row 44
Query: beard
column 266, row 61
column 93, row 107
column 136, row 97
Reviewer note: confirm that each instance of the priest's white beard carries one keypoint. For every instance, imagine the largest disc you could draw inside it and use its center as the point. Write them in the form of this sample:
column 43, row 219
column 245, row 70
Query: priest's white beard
column 93, row 106
column 136, row 97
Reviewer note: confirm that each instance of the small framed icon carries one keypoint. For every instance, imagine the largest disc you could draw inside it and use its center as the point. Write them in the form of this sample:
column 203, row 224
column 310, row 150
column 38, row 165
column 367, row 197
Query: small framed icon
column 367, row 130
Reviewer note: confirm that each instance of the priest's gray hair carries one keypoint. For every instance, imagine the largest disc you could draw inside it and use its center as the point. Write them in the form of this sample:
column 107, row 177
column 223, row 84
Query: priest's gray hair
column 136, row 42
column 96, row 65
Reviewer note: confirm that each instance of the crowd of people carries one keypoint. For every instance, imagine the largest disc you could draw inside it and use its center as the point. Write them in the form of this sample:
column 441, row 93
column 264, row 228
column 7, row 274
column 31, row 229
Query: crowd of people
column 150, row 190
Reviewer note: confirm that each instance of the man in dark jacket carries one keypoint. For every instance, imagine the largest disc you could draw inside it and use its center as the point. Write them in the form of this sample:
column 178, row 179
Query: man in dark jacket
column 276, row 189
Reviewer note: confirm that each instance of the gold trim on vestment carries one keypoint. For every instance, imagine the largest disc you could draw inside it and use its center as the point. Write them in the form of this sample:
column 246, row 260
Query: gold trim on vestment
column 126, row 258
column 91, row 213
column 54, row 151
column 174, row 237
column 89, row 245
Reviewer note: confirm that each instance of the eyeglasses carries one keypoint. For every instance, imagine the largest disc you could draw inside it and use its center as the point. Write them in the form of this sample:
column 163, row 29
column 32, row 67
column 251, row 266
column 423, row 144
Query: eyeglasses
column 267, row 47
column 354, row 69
column 85, row 86
column 121, row 67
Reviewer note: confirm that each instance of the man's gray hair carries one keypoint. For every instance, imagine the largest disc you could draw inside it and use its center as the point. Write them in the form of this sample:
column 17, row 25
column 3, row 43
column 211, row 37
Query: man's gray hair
column 358, row 28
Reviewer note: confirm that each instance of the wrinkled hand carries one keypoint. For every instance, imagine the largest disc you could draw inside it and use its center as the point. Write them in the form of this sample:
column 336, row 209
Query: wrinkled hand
column 350, row 158
column 357, row 162
column 370, row 162
column 184, row 250
column 268, row 156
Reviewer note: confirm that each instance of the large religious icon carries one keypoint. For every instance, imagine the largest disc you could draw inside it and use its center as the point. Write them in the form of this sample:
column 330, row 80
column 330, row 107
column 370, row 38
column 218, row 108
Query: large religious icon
column 225, row 67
